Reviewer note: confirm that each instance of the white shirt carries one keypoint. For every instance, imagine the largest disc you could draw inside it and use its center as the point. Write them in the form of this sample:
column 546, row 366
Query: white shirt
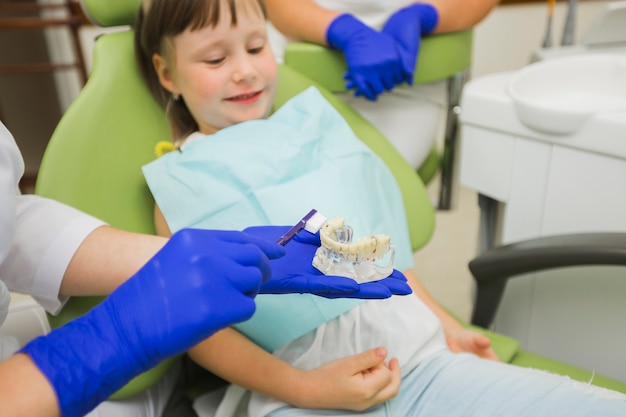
column 403, row 324
column 38, row 236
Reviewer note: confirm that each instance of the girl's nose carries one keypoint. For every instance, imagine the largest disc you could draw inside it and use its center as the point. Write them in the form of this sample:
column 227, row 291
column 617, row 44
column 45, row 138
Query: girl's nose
column 245, row 71
column 247, row 78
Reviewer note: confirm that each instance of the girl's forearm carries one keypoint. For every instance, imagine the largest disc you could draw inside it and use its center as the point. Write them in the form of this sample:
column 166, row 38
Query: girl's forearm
column 352, row 383
column 233, row 357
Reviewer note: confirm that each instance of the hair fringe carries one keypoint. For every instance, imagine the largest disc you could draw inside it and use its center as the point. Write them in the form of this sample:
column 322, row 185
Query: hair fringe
column 165, row 19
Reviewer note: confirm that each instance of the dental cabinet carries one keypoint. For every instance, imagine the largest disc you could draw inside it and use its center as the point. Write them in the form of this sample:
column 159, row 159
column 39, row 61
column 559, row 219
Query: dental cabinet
column 545, row 147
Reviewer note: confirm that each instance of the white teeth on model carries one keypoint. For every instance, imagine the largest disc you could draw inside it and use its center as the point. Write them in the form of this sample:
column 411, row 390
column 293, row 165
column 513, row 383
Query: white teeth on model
column 360, row 260
column 369, row 247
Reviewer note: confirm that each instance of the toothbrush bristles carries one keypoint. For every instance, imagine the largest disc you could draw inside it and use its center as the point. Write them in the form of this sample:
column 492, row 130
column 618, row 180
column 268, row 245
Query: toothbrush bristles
column 315, row 223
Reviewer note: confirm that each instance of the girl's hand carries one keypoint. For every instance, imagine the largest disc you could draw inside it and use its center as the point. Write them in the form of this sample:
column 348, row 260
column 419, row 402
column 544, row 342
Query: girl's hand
column 353, row 383
column 466, row 340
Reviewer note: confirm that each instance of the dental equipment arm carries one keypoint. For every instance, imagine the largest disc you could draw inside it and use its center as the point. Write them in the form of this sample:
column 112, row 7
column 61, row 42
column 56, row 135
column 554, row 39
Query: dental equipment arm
column 547, row 40
column 493, row 268
column 570, row 23
column 199, row 282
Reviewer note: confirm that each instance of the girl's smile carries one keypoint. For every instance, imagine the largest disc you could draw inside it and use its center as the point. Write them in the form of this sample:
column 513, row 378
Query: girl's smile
column 247, row 98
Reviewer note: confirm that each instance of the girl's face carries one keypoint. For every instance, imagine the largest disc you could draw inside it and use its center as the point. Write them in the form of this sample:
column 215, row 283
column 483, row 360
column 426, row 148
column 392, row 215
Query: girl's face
column 226, row 74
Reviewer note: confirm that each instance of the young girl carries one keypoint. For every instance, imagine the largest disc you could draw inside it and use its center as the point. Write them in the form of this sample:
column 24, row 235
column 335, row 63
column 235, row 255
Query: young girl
column 209, row 64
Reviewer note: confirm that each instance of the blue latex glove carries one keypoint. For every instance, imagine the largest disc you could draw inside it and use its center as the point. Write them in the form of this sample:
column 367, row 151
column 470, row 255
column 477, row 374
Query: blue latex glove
column 373, row 58
column 200, row 281
column 406, row 27
column 295, row 272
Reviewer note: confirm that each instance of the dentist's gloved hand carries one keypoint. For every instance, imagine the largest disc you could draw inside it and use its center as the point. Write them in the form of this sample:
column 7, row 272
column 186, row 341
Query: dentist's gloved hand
column 199, row 282
column 295, row 272
column 406, row 27
column 373, row 58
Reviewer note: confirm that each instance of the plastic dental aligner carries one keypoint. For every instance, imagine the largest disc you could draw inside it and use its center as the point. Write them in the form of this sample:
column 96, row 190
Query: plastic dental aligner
column 360, row 260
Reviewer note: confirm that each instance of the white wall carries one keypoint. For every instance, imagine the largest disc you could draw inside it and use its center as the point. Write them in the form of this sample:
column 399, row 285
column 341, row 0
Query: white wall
column 506, row 39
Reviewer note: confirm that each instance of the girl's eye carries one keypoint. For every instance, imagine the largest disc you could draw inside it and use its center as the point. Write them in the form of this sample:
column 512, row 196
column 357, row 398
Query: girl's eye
column 256, row 50
column 215, row 61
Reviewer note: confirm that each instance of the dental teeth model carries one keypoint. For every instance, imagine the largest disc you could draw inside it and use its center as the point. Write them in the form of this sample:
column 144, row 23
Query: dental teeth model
column 360, row 260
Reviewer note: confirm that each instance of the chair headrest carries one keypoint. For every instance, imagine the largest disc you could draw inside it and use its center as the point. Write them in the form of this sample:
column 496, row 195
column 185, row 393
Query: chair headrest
column 109, row 13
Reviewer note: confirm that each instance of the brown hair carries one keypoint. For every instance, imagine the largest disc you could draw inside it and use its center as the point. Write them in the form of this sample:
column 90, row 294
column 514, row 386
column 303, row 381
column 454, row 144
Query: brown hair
column 160, row 20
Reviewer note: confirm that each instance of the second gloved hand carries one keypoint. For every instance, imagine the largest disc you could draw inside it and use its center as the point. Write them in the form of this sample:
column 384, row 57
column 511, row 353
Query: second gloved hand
column 199, row 282
column 373, row 58
column 295, row 273
column 406, row 27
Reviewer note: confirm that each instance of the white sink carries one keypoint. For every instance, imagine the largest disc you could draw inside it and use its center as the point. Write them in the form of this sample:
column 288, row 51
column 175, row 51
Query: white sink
column 559, row 95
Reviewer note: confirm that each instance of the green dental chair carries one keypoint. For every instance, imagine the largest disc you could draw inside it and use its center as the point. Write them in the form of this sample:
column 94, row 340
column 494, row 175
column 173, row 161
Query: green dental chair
column 441, row 57
column 94, row 158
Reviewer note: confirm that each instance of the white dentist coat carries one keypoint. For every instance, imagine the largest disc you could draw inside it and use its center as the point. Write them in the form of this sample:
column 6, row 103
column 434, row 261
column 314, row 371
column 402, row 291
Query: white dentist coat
column 38, row 236
column 409, row 116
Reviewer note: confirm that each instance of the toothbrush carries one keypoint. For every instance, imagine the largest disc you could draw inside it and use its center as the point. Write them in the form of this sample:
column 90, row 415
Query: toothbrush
column 312, row 222
column 547, row 42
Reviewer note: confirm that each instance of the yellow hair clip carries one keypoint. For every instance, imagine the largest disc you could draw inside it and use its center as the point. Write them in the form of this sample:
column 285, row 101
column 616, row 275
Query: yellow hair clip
column 163, row 147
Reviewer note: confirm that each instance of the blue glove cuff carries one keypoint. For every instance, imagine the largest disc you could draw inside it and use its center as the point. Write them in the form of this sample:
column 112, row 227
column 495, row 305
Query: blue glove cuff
column 83, row 368
column 342, row 29
column 429, row 17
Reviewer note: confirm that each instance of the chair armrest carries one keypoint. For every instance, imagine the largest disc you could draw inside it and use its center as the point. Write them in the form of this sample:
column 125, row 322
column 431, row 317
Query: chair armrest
column 493, row 268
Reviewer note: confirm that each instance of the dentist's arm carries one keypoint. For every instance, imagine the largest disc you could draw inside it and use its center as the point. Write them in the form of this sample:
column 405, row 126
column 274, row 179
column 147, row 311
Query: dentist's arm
column 199, row 282
column 373, row 59
column 306, row 21
column 24, row 390
column 105, row 259
column 376, row 60
column 301, row 20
